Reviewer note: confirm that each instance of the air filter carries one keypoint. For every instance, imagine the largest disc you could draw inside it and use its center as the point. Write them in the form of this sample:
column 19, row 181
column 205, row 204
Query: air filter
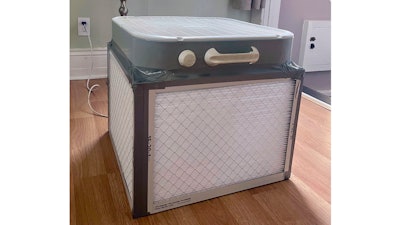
column 191, row 132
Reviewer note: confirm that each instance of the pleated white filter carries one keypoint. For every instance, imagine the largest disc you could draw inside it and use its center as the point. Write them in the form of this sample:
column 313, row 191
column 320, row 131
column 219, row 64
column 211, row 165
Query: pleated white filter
column 210, row 138
column 121, row 118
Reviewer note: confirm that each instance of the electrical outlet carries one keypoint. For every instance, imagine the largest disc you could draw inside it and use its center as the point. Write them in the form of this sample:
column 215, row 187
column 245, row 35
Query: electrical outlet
column 83, row 30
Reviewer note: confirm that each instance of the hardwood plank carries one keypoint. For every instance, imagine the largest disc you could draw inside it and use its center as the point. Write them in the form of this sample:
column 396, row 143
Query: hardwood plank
column 178, row 216
column 246, row 210
column 311, row 162
column 72, row 204
column 94, row 193
column 110, row 162
column 165, row 218
column 286, row 204
column 319, row 207
column 185, row 216
column 315, row 126
column 118, row 195
column 314, row 170
column 86, row 156
column 213, row 212
column 78, row 98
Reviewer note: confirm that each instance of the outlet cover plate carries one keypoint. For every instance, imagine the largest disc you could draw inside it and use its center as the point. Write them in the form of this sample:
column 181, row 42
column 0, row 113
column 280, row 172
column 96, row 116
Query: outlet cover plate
column 81, row 29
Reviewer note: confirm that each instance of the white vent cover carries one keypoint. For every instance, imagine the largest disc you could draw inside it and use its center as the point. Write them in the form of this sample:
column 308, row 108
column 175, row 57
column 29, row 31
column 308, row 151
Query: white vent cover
column 179, row 28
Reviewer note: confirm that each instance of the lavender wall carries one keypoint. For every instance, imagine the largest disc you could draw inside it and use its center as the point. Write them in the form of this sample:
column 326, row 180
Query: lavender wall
column 294, row 12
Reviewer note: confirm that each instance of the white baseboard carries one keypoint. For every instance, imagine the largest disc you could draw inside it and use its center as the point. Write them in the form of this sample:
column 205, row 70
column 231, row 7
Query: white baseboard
column 80, row 63
column 317, row 101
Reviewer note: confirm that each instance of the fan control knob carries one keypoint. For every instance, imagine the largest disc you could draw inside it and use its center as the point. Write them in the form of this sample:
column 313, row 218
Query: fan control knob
column 187, row 58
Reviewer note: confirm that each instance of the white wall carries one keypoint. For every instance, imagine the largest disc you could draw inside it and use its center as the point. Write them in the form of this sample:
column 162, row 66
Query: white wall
column 101, row 12
column 220, row 8
column 294, row 12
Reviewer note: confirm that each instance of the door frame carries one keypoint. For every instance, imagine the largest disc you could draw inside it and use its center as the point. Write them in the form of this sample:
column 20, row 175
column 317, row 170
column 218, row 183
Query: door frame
column 268, row 16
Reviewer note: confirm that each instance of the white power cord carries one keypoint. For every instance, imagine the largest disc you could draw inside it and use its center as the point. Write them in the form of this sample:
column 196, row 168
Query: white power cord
column 90, row 89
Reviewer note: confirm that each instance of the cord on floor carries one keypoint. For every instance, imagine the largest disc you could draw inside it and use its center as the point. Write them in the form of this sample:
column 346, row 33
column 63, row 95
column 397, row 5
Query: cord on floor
column 90, row 89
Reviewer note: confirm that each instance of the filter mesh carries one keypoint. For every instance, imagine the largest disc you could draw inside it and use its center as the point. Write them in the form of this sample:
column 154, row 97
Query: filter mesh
column 121, row 121
column 210, row 138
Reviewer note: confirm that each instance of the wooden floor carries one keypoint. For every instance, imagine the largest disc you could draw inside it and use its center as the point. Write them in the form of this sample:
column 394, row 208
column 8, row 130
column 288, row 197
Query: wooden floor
column 97, row 194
